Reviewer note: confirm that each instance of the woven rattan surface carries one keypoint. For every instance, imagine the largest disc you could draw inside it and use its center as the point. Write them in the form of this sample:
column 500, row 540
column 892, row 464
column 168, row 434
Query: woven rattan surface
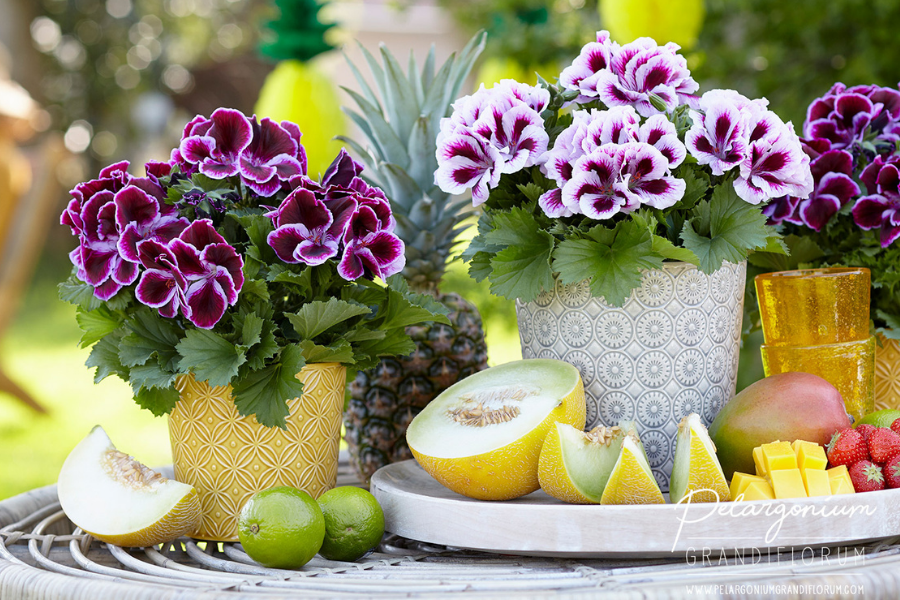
column 43, row 556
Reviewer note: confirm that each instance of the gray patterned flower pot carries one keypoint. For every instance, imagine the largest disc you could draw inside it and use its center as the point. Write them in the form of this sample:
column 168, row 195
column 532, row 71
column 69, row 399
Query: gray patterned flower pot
column 670, row 351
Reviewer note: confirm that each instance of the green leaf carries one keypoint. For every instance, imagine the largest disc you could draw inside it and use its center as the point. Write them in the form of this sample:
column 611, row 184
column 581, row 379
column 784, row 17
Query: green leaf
column 317, row 317
column 802, row 251
column 258, row 226
column 696, row 187
column 395, row 343
column 612, row 259
column 265, row 392
column 339, row 352
column 531, row 191
column 210, row 357
column 403, row 307
column 105, row 357
column 257, row 288
column 522, row 268
column 74, row 291
column 670, row 251
column 96, row 324
column 158, row 401
column 149, row 335
column 150, row 376
column 480, row 266
column 735, row 228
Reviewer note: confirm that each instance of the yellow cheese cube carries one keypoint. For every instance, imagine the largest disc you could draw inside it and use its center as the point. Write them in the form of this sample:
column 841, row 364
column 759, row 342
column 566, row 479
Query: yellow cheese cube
column 757, row 490
column 816, row 482
column 778, row 456
column 787, row 483
column 758, row 461
column 839, row 479
column 740, row 481
column 810, row 455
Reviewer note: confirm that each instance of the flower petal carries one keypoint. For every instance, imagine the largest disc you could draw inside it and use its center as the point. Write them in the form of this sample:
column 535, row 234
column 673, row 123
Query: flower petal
column 207, row 302
column 868, row 212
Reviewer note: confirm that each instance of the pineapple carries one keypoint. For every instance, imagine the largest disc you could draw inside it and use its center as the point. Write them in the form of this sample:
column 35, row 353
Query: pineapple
column 400, row 130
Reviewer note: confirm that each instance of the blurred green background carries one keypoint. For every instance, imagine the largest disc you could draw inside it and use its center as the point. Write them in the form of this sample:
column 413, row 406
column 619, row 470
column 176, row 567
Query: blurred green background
column 118, row 78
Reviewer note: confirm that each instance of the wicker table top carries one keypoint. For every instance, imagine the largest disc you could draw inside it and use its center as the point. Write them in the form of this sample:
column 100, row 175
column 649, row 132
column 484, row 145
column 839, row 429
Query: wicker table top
column 42, row 556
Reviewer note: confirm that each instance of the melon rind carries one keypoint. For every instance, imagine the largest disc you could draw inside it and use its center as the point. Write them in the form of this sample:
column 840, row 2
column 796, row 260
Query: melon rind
column 696, row 466
column 586, row 466
column 115, row 512
column 632, row 458
column 511, row 470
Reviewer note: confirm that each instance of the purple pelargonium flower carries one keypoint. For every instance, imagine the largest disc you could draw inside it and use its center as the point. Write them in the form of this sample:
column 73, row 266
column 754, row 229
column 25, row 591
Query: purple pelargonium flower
column 216, row 144
column 271, row 157
column 162, row 286
column 596, row 188
column 833, row 189
column 844, row 116
column 305, row 230
column 212, row 271
column 881, row 208
column 97, row 257
column 466, row 160
column 370, row 251
column 140, row 217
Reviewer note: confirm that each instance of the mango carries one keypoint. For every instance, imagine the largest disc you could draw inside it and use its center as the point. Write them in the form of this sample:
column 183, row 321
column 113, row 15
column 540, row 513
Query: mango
column 787, row 483
column 787, row 406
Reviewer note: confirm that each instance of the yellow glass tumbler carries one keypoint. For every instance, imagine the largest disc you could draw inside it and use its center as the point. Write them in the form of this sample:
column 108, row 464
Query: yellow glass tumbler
column 817, row 321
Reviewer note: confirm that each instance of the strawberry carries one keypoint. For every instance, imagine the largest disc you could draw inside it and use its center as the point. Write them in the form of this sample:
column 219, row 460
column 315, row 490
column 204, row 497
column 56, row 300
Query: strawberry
column 846, row 447
column 865, row 430
column 895, row 426
column 891, row 472
column 866, row 476
column 883, row 444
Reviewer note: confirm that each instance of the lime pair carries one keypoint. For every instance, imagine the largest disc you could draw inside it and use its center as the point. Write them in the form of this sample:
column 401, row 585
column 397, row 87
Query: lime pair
column 283, row 527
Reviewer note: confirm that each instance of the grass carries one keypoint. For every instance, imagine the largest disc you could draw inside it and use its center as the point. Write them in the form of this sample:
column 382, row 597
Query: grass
column 40, row 351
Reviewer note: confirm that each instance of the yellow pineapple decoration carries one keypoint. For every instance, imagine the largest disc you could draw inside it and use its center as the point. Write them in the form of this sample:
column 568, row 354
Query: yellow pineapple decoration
column 676, row 21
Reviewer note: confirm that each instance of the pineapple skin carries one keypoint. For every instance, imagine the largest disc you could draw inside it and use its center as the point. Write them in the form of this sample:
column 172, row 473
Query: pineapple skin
column 384, row 400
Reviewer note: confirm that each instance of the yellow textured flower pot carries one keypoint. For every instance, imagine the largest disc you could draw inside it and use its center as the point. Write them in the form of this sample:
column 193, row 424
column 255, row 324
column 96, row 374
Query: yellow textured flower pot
column 228, row 458
column 887, row 374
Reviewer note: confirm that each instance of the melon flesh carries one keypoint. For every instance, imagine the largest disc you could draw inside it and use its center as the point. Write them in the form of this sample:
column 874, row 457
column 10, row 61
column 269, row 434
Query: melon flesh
column 696, row 467
column 118, row 500
column 575, row 466
column 482, row 436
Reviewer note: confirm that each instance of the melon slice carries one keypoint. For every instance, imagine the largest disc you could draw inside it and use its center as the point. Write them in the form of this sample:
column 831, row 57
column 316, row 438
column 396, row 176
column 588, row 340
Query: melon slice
column 118, row 500
column 482, row 436
column 631, row 480
column 697, row 472
column 575, row 465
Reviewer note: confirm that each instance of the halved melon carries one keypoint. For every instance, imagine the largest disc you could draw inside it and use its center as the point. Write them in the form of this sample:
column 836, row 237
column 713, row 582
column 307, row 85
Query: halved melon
column 120, row 501
column 696, row 468
column 482, row 436
column 575, row 465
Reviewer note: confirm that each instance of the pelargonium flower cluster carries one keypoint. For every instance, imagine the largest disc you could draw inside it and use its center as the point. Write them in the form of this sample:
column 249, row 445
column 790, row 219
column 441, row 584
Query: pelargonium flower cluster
column 130, row 233
column 607, row 162
column 343, row 216
column 111, row 216
column 265, row 154
column 636, row 74
column 731, row 131
column 849, row 132
column 492, row 132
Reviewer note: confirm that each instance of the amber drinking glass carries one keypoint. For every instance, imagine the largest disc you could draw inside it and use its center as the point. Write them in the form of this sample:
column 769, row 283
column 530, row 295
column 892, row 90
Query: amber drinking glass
column 817, row 321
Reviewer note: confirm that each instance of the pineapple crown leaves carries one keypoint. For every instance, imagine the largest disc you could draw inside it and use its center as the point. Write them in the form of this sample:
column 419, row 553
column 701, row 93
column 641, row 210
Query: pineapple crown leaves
column 297, row 33
column 401, row 122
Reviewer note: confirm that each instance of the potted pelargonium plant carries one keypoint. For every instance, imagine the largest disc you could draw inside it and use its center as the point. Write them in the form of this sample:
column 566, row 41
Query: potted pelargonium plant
column 852, row 217
column 618, row 210
column 232, row 291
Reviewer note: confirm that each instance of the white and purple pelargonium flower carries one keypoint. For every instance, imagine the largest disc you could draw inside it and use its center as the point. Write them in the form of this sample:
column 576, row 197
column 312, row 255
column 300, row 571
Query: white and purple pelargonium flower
column 305, row 230
column 881, row 207
column 596, row 188
column 493, row 131
column 632, row 75
column 369, row 249
column 774, row 165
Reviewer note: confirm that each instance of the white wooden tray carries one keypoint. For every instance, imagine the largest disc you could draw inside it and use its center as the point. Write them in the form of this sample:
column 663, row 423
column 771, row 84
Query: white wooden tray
column 418, row 507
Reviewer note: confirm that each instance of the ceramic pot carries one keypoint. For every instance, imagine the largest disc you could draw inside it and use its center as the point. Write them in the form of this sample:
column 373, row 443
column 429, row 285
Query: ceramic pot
column 887, row 374
column 671, row 350
column 228, row 458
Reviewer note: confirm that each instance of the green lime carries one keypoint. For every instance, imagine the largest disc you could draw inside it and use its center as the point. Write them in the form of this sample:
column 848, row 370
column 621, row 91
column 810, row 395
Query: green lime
column 281, row 528
column 880, row 418
column 354, row 523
